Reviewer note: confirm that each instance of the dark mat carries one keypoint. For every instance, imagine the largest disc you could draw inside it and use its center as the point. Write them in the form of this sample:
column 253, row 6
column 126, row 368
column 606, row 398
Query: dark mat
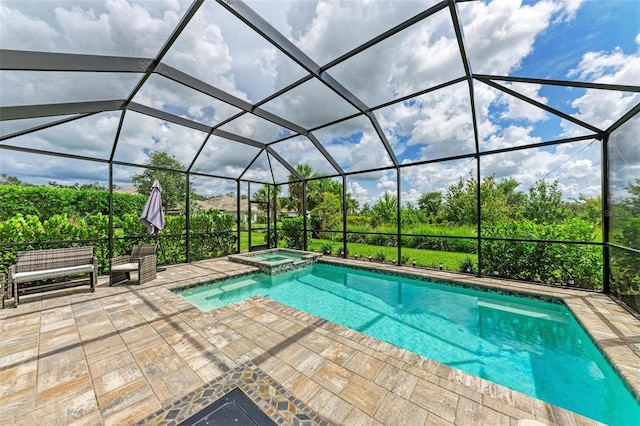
column 235, row 408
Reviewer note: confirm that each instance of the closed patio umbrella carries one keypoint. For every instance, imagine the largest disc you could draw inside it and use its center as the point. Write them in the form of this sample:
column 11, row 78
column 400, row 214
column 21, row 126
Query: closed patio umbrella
column 152, row 214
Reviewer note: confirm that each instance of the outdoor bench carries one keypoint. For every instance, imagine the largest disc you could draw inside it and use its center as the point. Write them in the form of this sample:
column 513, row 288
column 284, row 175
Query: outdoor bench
column 33, row 268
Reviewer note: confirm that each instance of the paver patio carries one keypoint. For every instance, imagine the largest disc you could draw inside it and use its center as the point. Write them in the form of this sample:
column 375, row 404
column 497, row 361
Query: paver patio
column 140, row 354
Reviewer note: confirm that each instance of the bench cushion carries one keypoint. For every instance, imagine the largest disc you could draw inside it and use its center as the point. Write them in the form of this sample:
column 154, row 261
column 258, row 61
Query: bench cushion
column 21, row 277
column 125, row 267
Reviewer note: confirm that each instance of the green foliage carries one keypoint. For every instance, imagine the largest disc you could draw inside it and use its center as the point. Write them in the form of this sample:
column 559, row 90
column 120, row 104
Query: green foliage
column 460, row 202
column 544, row 204
column 467, row 265
column 174, row 184
column 326, row 208
column 417, row 236
column 385, row 210
column 44, row 202
column 292, row 233
column 212, row 235
column 430, row 202
column 379, row 256
column 542, row 261
column 626, row 222
column 326, row 247
column 296, row 188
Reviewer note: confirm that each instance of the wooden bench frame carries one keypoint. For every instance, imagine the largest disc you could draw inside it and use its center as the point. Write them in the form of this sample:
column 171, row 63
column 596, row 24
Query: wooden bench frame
column 38, row 265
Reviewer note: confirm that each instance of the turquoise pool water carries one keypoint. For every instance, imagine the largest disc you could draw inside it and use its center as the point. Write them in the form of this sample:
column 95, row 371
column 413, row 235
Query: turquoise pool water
column 276, row 256
column 531, row 346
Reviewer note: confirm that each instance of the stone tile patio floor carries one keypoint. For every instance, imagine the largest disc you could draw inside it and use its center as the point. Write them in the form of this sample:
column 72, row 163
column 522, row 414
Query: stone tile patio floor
column 140, row 354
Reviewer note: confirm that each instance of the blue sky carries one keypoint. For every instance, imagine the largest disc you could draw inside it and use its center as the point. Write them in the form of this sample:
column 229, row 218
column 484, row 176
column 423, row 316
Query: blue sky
column 594, row 41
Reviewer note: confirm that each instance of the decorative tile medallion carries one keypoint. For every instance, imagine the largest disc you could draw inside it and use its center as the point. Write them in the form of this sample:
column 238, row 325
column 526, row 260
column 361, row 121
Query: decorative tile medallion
column 278, row 403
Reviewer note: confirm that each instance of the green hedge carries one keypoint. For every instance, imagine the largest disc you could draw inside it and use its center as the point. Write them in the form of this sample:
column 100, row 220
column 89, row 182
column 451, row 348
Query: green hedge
column 211, row 236
column 543, row 261
column 45, row 202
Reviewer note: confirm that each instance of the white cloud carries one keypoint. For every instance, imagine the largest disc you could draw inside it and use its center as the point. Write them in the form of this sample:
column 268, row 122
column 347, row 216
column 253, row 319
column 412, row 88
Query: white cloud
column 518, row 109
column 326, row 29
column 358, row 192
column 602, row 108
column 142, row 134
column 20, row 31
column 41, row 169
column 422, row 56
column 301, row 150
column 439, row 121
column 216, row 47
column 91, row 137
column 368, row 153
column 499, row 34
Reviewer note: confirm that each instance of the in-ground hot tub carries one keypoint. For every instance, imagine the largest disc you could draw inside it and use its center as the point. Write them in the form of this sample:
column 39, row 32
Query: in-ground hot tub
column 275, row 261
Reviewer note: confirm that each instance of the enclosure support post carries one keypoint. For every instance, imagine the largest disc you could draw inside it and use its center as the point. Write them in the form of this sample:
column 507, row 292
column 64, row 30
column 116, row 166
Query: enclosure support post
column 110, row 249
column 304, row 215
column 275, row 215
column 344, row 216
column 249, row 214
column 479, row 215
column 238, row 216
column 187, row 222
column 399, row 216
column 606, row 209
column 268, row 221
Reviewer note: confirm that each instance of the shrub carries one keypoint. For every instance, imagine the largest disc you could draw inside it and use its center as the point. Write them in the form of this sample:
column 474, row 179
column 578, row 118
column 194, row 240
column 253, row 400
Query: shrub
column 542, row 261
column 379, row 256
column 292, row 233
column 467, row 265
column 326, row 247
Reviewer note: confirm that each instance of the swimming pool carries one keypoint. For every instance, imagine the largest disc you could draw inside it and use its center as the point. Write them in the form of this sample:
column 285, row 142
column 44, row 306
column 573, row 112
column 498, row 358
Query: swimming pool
column 276, row 261
column 528, row 345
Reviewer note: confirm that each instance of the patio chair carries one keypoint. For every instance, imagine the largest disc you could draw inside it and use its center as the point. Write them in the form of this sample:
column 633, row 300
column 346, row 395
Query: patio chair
column 142, row 260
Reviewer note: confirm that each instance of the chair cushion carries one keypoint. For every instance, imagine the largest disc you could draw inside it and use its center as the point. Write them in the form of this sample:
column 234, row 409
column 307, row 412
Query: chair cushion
column 132, row 266
column 22, row 277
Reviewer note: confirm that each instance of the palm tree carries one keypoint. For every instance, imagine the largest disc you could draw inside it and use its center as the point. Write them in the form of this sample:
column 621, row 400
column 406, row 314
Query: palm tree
column 296, row 187
column 352, row 205
column 385, row 210
column 265, row 195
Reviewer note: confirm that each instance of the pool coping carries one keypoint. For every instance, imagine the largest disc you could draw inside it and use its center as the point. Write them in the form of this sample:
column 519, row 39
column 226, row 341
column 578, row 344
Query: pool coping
column 622, row 351
column 307, row 258
column 614, row 337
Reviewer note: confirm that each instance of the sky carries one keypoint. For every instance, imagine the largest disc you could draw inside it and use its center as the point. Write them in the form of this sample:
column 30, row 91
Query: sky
column 574, row 40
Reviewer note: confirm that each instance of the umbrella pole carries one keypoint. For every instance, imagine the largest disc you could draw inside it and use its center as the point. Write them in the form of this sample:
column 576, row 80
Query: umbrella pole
column 160, row 268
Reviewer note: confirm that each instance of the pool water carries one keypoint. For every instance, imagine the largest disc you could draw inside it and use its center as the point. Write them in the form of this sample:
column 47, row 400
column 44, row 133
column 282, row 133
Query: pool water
column 534, row 347
column 276, row 257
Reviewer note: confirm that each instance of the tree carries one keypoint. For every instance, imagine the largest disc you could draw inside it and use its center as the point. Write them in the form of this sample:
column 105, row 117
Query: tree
column 174, row 184
column 352, row 205
column 430, row 203
column 385, row 210
column 296, row 187
column 507, row 189
column 461, row 202
column 265, row 195
column 5, row 179
column 544, row 203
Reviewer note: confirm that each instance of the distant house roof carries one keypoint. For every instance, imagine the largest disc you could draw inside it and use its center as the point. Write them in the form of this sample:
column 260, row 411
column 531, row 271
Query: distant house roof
column 127, row 190
column 224, row 204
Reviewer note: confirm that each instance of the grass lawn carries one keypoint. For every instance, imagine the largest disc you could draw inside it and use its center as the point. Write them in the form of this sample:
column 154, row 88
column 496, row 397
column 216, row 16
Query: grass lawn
column 430, row 258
